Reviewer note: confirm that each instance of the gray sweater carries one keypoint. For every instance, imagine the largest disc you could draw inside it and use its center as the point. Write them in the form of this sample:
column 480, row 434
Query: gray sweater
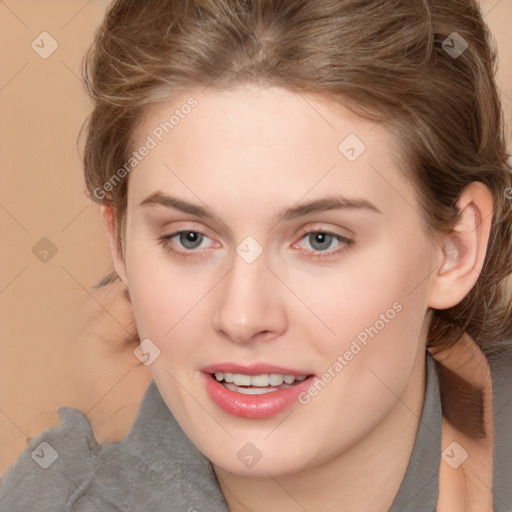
column 156, row 468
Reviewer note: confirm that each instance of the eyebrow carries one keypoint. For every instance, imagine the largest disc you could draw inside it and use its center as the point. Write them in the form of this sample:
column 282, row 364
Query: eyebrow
column 315, row 206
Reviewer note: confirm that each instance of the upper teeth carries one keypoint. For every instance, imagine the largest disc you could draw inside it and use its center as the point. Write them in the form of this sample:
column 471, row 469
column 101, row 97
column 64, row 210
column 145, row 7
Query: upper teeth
column 273, row 379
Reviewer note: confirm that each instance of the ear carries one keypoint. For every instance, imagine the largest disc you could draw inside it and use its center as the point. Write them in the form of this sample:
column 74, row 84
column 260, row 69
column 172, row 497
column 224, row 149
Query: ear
column 110, row 225
column 461, row 253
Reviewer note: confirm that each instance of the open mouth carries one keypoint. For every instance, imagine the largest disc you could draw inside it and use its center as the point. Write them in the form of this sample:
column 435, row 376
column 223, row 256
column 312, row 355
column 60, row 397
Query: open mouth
column 257, row 384
column 257, row 390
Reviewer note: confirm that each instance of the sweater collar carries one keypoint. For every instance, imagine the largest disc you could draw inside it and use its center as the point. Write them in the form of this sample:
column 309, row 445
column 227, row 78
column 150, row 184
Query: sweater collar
column 420, row 487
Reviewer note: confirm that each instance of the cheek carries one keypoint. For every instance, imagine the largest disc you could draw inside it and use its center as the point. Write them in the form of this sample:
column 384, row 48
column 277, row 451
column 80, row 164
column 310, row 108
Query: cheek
column 380, row 326
column 379, row 294
column 168, row 300
column 378, row 315
column 172, row 307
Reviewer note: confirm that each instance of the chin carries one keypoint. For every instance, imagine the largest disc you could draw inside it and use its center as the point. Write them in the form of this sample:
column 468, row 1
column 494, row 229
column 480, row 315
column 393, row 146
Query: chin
column 260, row 469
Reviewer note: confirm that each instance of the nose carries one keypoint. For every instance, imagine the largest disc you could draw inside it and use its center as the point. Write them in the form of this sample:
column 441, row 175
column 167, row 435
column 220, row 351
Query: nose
column 249, row 305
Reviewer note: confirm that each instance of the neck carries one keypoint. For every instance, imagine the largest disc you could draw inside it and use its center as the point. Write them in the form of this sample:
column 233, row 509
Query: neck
column 365, row 477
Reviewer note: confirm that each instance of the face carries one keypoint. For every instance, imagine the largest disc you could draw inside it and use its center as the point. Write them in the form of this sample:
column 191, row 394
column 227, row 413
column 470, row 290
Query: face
column 273, row 241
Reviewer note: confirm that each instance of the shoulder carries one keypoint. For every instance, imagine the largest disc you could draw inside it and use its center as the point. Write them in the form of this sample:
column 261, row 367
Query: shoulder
column 47, row 472
column 156, row 467
column 500, row 362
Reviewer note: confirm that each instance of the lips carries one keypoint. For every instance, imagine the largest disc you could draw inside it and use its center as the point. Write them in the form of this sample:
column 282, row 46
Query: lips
column 257, row 390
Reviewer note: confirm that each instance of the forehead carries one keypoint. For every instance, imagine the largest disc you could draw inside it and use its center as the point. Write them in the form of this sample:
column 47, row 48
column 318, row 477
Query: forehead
column 255, row 144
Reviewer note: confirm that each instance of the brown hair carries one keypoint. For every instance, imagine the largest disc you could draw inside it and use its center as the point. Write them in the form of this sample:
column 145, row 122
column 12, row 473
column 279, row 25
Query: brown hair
column 387, row 61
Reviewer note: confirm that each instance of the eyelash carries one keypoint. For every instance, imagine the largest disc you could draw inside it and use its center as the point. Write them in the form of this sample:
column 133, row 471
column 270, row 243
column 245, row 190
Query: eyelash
column 315, row 255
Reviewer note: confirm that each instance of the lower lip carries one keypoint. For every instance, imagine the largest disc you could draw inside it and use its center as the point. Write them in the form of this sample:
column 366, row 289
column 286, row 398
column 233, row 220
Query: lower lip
column 254, row 406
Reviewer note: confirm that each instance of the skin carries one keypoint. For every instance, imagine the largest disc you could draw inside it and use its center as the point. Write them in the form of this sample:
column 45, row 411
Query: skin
column 245, row 155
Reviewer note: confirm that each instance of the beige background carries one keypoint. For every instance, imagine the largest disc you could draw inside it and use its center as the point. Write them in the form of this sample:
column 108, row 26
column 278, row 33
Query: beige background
column 62, row 342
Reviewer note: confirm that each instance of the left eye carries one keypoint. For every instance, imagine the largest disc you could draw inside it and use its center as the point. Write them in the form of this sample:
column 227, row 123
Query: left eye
column 321, row 241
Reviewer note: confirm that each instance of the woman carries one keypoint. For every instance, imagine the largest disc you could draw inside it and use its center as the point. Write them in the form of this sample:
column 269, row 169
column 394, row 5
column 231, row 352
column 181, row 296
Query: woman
column 307, row 201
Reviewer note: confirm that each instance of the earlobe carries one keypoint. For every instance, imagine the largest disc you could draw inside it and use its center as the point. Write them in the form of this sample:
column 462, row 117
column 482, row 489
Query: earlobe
column 462, row 252
column 109, row 223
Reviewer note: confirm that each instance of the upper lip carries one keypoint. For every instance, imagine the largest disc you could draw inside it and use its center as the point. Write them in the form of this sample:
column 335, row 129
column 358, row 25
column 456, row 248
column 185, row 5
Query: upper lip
column 253, row 369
